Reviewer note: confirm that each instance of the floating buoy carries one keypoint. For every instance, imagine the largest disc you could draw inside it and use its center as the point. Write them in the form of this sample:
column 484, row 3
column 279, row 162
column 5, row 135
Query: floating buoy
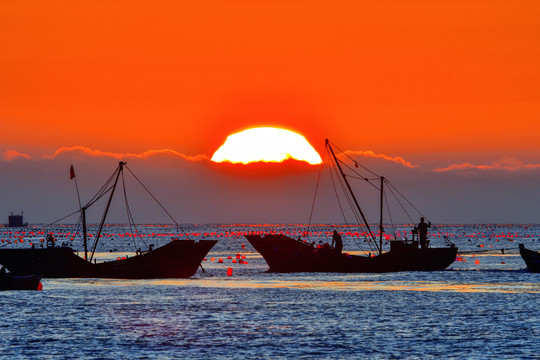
column 243, row 246
column 477, row 262
column 212, row 259
column 220, row 261
column 40, row 287
column 229, row 272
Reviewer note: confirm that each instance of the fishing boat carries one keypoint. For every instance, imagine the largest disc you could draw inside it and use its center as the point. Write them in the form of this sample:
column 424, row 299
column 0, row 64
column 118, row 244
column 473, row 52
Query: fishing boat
column 176, row 259
column 531, row 257
column 24, row 282
column 285, row 254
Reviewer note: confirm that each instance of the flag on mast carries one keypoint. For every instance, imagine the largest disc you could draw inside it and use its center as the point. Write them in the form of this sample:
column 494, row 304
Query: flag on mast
column 71, row 173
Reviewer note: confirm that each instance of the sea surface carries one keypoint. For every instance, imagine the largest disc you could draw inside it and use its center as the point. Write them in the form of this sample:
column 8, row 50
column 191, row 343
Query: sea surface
column 484, row 306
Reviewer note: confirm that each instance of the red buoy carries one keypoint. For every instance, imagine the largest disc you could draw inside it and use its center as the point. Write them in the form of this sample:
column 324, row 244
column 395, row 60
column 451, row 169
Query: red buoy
column 229, row 272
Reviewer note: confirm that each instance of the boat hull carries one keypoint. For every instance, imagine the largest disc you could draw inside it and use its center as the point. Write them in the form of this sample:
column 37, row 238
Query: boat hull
column 284, row 254
column 177, row 259
column 531, row 258
column 25, row 282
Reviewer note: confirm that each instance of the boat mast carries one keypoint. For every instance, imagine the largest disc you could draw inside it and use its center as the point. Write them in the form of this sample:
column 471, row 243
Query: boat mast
column 381, row 228
column 350, row 190
column 120, row 168
column 83, row 215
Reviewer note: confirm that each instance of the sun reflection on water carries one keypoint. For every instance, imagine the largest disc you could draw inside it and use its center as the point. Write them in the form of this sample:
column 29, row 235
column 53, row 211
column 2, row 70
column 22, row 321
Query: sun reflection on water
column 317, row 285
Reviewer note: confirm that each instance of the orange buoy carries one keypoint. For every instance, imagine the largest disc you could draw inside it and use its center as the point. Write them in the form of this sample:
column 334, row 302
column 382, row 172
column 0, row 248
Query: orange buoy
column 477, row 262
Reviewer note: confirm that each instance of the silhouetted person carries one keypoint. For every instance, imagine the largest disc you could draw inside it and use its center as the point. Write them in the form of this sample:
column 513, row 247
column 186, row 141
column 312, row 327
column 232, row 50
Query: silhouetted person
column 337, row 243
column 422, row 232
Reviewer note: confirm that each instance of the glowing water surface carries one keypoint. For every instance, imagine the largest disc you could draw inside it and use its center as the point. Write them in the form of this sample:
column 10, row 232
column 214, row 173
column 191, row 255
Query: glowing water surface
column 482, row 310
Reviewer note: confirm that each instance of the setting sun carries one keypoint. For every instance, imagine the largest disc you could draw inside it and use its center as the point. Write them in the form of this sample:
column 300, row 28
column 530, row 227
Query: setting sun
column 268, row 145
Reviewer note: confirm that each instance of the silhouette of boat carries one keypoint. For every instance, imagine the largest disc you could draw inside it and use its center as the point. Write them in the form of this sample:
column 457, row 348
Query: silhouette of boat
column 532, row 258
column 176, row 259
column 24, row 282
column 285, row 254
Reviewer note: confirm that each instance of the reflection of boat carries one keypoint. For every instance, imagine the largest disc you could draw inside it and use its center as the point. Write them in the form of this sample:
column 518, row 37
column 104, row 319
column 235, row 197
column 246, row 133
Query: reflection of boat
column 24, row 282
column 532, row 258
column 285, row 254
column 176, row 259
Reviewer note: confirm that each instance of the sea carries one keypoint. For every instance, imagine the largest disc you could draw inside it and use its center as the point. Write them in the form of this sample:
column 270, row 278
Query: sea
column 484, row 306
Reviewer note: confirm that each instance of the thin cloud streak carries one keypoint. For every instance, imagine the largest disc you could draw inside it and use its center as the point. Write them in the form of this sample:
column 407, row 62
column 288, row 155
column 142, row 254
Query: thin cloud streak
column 369, row 153
column 506, row 164
column 11, row 155
column 144, row 155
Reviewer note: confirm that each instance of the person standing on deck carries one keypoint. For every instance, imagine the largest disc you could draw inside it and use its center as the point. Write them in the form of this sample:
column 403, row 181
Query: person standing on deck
column 422, row 232
column 337, row 242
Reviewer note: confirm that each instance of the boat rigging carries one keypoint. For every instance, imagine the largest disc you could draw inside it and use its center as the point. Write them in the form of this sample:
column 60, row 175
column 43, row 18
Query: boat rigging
column 284, row 254
column 176, row 259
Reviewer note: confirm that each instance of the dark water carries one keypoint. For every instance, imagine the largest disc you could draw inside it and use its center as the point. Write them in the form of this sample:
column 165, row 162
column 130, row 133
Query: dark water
column 484, row 309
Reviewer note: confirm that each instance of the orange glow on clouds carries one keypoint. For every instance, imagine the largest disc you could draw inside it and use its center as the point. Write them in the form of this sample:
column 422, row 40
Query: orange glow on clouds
column 369, row 153
column 143, row 155
column 266, row 144
column 11, row 155
column 508, row 164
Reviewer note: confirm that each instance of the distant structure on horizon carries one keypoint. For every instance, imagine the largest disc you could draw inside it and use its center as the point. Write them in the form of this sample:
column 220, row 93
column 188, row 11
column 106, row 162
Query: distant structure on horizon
column 16, row 220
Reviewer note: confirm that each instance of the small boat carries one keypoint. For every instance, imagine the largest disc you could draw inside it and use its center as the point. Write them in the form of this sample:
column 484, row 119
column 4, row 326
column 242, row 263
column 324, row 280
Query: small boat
column 21, row 282
column 532, row 258
column 176, row 259
column 285, row 254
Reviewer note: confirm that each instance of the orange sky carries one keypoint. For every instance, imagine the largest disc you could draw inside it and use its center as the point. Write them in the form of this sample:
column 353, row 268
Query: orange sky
column 444, row 85
column 133, row 76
